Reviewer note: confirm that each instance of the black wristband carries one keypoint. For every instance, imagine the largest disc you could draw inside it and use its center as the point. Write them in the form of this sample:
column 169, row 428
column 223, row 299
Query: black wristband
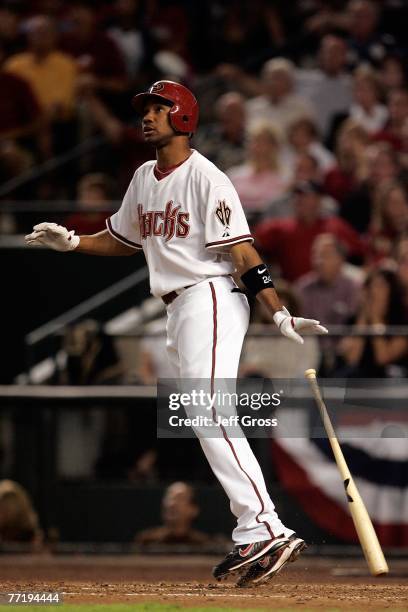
column 257, row 278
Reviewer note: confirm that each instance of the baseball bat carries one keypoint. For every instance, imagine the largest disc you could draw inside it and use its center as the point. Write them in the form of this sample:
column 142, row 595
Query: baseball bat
column 361, row 519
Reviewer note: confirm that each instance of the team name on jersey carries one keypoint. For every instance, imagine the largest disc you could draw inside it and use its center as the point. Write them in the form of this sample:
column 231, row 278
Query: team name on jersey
column 168, row 223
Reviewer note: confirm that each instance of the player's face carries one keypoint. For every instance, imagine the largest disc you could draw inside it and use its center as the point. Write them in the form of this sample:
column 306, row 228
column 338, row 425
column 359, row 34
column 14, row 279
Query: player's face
column 156, row 124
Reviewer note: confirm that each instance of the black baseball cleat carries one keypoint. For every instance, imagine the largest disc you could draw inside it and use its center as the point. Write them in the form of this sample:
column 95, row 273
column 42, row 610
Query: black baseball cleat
column 271, row 563
column 243, row 555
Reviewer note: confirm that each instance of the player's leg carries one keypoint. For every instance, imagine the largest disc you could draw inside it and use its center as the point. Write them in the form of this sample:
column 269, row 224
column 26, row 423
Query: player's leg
column 279, row 555
column 210, row 323
column 171, row 347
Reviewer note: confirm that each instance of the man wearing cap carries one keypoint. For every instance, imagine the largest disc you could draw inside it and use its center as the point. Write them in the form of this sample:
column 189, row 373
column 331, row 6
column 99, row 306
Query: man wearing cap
column 288, row 241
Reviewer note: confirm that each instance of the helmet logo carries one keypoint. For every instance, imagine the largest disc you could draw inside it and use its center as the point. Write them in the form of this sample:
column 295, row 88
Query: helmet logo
column 156, row 87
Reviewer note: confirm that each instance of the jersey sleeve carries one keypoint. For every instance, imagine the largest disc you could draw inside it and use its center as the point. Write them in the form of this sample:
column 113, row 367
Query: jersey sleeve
column 225, row 221
column 124, row 224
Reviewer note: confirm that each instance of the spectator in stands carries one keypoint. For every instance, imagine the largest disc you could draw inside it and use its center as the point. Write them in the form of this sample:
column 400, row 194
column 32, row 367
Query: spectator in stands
column 306, row 168
column 401, row 258
column 261, row 178
column 289, row 241
column 90, row 356
column 21, row 116
column 258, row 361
column 278, row 101
column 94, row 197
column 18, row 519
column 332, row 289
column 24, row 134
column 303, row 138
column 366, row 43
column 128, row 147
column 11, row 38
column 246, row 33
column 51, row 73
column 101, row 64
column 403, row 158
column 377, row 356
column 328, row 88
column 127, row 29
column 380, row 166
column 223, row 141
column 328, row 288
column 179, row 511
column 393, row 73
column 393, row 131
column 389, row 220
column 345, row 175
column 367, row 109
column 170, row 29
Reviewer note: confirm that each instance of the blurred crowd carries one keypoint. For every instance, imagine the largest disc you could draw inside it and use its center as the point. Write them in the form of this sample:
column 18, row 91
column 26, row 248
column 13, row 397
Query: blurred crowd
column 303, row 104
column 20, row 529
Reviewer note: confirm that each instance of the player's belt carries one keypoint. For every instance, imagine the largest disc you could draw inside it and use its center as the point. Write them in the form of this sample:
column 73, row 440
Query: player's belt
column 168, row 298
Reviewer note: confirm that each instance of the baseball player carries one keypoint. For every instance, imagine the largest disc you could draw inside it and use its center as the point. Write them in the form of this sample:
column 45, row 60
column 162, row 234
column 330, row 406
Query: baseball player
column 186, row 216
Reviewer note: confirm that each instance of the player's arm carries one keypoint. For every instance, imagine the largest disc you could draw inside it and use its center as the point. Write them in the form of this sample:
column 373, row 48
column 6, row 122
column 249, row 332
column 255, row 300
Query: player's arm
column 245, row 258
column 59, row 238
column 256, row 278
column 103, row 243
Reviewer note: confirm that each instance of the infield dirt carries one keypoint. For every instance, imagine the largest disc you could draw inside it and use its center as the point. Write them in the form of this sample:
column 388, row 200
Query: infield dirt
column 309, row 584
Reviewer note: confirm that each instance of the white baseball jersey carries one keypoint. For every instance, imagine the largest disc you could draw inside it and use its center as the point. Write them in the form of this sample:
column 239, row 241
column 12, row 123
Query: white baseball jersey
column 183, row 223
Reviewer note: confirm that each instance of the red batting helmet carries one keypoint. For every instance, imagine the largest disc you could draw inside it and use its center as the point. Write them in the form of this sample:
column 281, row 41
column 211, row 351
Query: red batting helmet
column 184, row 110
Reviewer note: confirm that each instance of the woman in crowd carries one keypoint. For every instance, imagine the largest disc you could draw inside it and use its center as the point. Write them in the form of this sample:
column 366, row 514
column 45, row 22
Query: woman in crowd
column 377, row 356
column 303, row 138
column 367, row 109
column 393, row 73
column 401, row 258
column 379, row 166
column 260, row 179
column 389, row 220
column 343, row 177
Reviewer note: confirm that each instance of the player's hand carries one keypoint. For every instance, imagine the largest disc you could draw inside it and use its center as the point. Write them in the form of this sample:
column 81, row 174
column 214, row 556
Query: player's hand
column 53, row 236
column 289, row 326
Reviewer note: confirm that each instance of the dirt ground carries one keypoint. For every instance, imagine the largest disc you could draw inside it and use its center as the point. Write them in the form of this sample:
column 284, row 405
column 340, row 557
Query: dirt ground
column 309, row 584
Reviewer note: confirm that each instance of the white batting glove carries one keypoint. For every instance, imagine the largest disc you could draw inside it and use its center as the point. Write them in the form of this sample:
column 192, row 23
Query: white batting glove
column 289, row 326
column 53, row 236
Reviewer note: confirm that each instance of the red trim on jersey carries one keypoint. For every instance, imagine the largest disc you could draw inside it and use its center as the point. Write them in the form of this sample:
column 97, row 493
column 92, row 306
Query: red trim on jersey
column 244, row 238
column 224, row 433
column 121, row 238
column 161, row 174
column 214, row 346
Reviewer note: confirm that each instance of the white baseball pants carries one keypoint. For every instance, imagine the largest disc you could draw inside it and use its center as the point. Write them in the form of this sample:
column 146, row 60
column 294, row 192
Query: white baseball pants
column 206, row 327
